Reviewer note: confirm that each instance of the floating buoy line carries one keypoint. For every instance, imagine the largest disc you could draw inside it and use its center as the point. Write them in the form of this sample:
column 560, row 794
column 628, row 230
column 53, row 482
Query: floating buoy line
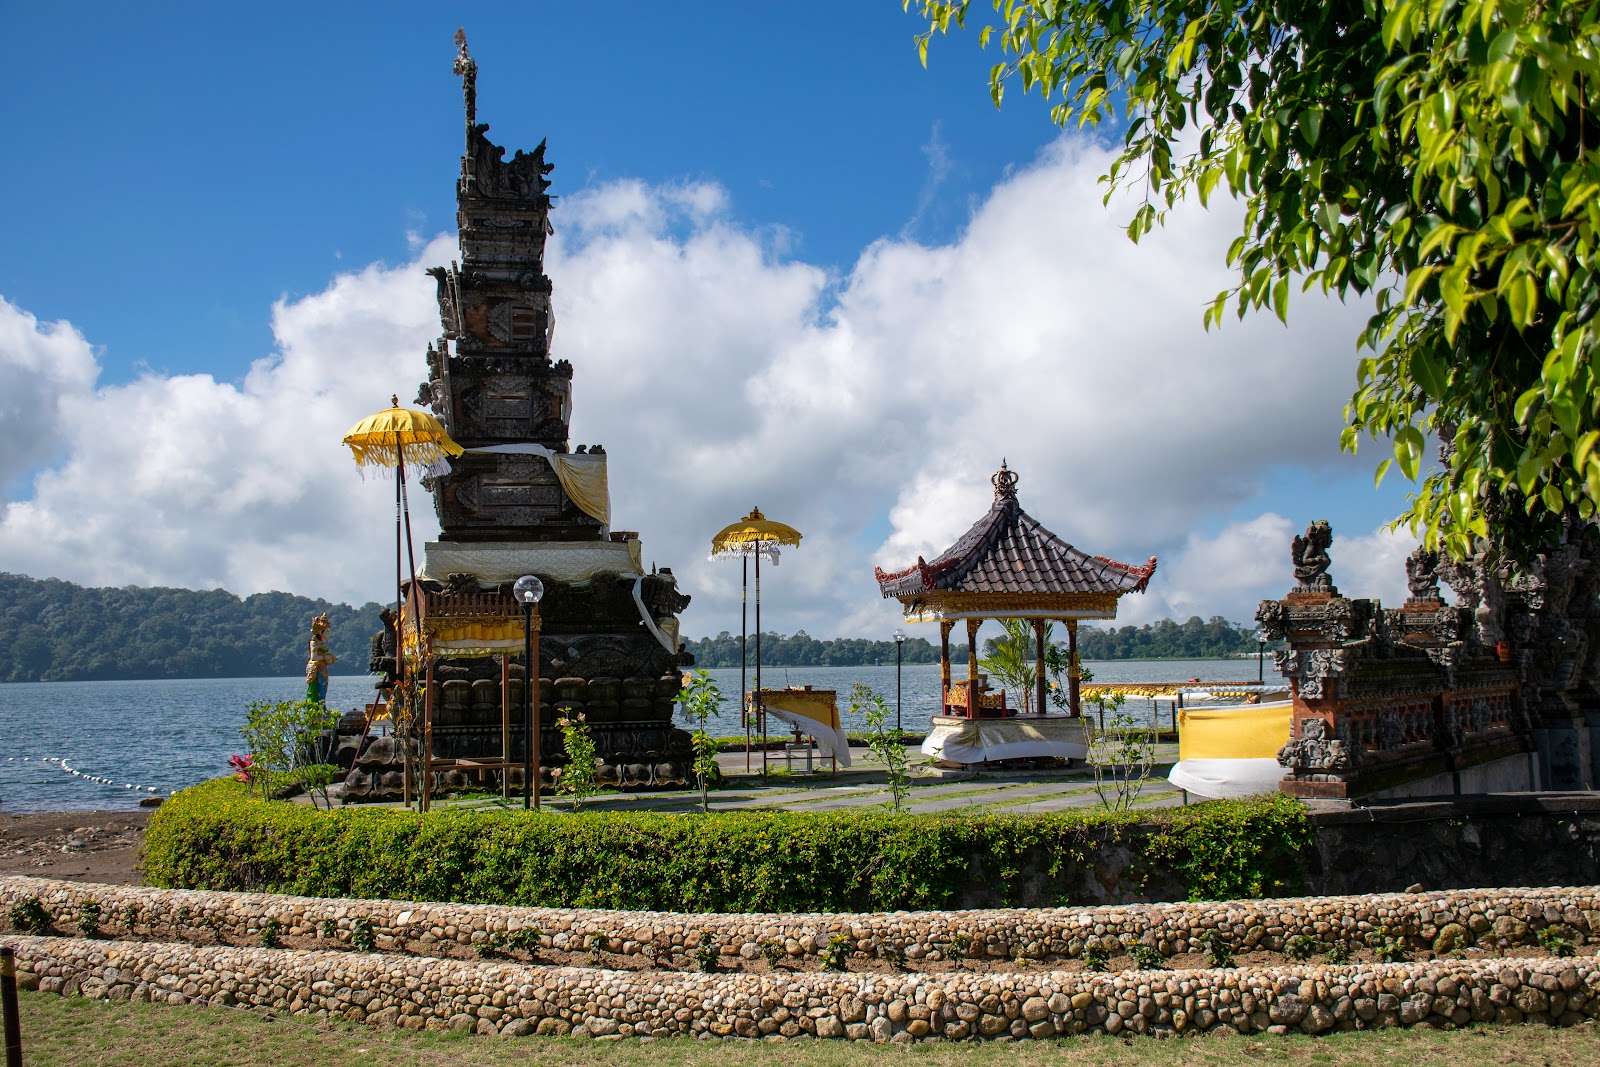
column 111, row 783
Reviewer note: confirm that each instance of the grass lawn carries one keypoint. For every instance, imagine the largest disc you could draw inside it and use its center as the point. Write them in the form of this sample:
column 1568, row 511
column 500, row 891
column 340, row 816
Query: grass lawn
column 58, row 1031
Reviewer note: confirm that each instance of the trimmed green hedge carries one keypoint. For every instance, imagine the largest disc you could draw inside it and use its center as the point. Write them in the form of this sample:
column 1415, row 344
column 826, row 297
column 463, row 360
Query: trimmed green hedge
column 215, row 836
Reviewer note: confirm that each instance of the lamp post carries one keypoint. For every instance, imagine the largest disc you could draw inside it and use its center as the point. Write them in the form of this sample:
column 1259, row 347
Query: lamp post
column 528, row 589
column 899, row 644
column 1261, row 657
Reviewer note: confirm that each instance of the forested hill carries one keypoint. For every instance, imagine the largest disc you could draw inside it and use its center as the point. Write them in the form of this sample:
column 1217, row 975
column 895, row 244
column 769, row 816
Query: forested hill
column 1195, row 639
column 1212, row 639
column 54, row 631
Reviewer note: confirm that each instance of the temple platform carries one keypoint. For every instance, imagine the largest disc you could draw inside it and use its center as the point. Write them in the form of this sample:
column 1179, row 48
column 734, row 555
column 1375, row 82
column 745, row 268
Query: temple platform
column 954, row 739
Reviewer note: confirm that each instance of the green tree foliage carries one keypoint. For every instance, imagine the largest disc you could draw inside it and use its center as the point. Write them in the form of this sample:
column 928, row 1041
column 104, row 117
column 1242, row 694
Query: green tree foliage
column 53, row 631
column 1212, row 638
column 1012, row 659
column 803, row 650
column 1438, row 159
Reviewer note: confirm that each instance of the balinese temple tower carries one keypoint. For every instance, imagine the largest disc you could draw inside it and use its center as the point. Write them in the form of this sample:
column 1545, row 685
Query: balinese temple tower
column 520, row 501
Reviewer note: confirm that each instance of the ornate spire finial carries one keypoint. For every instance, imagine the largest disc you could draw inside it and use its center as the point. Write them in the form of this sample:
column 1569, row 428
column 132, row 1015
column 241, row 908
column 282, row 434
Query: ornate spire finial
column 467, row 70
column 1005, row 484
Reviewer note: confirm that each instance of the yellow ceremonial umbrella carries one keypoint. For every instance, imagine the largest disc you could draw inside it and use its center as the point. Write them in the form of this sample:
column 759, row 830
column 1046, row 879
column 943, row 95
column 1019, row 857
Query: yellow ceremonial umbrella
column 394, row 437
column 754, row 535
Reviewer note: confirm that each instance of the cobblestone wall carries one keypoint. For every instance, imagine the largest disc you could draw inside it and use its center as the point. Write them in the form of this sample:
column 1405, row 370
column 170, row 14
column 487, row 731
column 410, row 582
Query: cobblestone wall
column 514, row 1000
column 1439, row 921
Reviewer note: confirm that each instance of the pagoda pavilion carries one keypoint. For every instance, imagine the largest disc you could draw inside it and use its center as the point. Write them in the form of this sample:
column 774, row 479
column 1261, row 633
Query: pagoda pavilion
column 1008, row 566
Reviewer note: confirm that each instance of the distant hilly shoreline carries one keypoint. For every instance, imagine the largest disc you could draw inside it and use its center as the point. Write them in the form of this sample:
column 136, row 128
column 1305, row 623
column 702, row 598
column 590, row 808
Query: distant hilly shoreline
column 57, row 631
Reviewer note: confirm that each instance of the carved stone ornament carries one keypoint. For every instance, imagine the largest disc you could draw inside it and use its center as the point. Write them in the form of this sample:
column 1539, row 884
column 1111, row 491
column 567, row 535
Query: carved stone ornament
column 1309, row 667
column 1422, row 574
column 1311, row 561
column 1313, row 751
column 1270, row 617
column 520, row 178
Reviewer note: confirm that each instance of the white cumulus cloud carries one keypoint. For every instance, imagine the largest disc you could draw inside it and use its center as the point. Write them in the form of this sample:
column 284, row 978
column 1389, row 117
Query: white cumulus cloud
column 868, row 409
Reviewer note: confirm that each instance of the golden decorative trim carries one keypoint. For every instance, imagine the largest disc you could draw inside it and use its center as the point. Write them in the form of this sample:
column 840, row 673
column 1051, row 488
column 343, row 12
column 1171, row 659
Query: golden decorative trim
column 937, row 605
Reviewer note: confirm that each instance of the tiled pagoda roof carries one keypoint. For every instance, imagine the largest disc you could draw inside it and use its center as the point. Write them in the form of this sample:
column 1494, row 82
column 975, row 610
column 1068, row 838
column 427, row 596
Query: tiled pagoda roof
column 1008, row 551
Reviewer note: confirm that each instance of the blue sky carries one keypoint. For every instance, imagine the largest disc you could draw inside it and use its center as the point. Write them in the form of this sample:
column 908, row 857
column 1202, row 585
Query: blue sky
column 792, row 268
column 177, row 167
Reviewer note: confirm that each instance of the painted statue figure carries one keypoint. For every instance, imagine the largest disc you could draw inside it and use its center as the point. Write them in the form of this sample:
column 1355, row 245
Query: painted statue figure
column 318, row 661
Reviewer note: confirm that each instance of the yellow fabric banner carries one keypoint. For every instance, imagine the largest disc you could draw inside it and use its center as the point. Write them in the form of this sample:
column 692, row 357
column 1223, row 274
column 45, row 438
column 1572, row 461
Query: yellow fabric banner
column 583, row 478
column 1249, row 731
column 818, row 705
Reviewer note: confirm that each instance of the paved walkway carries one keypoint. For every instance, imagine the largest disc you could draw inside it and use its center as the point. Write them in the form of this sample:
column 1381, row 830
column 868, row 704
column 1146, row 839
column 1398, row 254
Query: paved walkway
column 862, row 787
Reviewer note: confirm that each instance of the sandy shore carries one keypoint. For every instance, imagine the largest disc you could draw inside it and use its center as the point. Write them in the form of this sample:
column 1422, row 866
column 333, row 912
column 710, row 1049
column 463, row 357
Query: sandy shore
column 78, row 846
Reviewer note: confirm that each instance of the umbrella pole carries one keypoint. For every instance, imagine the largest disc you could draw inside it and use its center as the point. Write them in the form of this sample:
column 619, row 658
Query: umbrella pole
column 399, row 648
column 761, row 711
column 744, row 628
column 405, row 507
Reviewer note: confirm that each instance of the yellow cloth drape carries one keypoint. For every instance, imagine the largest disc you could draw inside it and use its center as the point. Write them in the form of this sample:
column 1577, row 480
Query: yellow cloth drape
column 1251, row 731
column 818, row 705
column 490, row 635
column 583, row 478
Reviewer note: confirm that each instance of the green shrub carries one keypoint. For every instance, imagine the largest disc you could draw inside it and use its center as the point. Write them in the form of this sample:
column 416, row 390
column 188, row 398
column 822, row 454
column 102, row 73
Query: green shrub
column 89, row 918
column 1551, row 941
column 217, row 836
column 362, row 937
column 29, row 916
column 1147, row 957
column 1096, row 957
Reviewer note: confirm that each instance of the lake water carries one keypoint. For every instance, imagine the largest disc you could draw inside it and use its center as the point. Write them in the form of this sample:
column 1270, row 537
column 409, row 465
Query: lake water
column 165, row 735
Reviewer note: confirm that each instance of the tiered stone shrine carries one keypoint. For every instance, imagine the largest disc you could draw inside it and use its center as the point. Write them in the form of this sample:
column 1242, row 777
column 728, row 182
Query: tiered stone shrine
column 519, row 501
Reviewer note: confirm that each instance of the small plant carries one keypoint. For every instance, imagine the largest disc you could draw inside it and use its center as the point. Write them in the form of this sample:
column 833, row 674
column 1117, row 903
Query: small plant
column 528, row 939
column 271, row 932
column 1338, row 953
column 282, row 737
column 700, row 700
column 328, row 929
column 88, row 919
column 1551, row 941
column 1388, row 947
column 836, row 952
column 1122, row 754
column 181, row 916
column 214, row 924
column 957, row 948
column 772, row 951
column 491, row 947
column 1147, row 957
column 886, row 744
column 705, row 953
column 1096, row 957
column 577, row 777
column 599, row 943
column 30, row 915
column 362, row 938
column 891, row 953
column 130, row 916
column 1302, row 947
column 1219, row 950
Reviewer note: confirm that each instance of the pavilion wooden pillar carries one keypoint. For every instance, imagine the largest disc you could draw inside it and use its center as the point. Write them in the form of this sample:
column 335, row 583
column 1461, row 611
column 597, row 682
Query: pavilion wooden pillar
column 1072, row 666
column 972, row 668
column 944, row 665
column 1039, row 683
